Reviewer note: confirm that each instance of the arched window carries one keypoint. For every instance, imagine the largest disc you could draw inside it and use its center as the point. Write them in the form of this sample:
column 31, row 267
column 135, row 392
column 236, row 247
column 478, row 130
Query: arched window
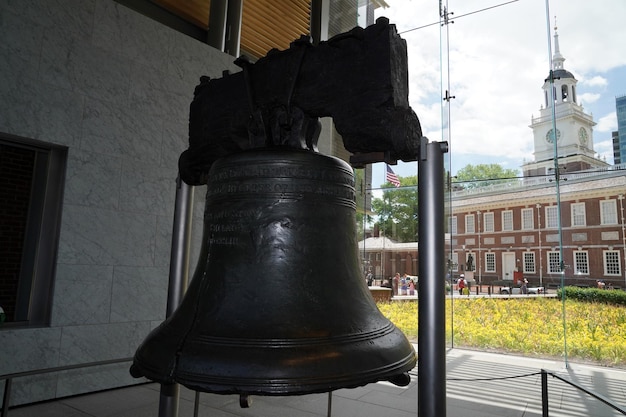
column 564, row 93
column 574, row 93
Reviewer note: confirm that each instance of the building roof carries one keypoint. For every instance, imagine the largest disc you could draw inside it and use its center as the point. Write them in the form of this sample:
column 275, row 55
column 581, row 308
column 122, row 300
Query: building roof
column 382, row 243
column 561, row 73
column 541, row 189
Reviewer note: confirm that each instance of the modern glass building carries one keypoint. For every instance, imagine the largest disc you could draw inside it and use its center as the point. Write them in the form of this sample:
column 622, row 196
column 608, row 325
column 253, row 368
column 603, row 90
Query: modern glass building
column 619, row 151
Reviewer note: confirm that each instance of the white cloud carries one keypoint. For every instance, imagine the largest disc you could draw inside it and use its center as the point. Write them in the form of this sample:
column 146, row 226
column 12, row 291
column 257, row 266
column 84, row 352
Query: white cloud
column 596, row 81
column 498, row 61
column 605, row 150
column 607, row 123
column 588, row 98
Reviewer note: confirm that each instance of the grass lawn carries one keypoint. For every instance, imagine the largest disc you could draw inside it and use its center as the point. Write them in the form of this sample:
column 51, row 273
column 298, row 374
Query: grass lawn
column 532, row 327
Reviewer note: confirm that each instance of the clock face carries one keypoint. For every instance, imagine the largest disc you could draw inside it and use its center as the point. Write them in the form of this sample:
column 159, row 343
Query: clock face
column 583, row 137
column 550, row 136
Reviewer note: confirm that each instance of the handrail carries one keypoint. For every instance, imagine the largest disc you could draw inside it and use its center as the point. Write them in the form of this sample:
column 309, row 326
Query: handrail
column 9, row 377
column 544, row 393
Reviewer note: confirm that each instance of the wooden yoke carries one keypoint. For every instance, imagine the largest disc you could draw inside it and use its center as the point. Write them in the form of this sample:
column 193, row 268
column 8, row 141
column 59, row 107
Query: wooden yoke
column 359, row 78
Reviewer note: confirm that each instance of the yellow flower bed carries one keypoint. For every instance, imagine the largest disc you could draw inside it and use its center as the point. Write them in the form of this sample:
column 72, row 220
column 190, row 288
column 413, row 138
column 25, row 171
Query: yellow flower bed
column 533, row 326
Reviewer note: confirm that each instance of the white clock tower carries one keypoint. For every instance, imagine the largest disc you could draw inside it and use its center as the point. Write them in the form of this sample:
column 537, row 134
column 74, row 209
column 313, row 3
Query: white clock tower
column 574, row 127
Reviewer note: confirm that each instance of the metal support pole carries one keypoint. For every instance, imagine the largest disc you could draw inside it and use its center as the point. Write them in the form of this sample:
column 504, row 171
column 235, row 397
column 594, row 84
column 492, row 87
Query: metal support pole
column 179, row 267
column 6, row 397
column 330, row 404
column 431, row 314
column 544, row 393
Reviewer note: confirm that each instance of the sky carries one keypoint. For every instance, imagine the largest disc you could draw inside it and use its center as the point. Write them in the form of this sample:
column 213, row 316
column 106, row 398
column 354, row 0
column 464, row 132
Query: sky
column 497, row 62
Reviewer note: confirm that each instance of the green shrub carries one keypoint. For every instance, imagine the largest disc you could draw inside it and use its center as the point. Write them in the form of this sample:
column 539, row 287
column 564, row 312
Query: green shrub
column 594, row 295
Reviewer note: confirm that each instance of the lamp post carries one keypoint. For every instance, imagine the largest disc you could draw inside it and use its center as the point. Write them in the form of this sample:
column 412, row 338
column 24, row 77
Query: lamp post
column 478, row 262
column 539, row 236
column 463, row 264
column 621, row 204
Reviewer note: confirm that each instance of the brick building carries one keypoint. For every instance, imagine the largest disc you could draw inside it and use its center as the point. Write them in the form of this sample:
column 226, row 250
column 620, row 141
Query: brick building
column 525, row 227
column 514, row 227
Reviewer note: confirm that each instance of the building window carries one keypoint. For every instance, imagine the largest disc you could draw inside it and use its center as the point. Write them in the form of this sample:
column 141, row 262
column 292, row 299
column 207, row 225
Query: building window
column 488, row 222
column 529, row 262
column 490, row 262
column 608, row 212
column 579, row 217
column 469, row 224
column 378, row 256
column 552, row 221
column 452, row 225
column 32, row 174
column 528, row 221
column 507, row 220
column 554, row 262
column 612, row 264
column 581, row 262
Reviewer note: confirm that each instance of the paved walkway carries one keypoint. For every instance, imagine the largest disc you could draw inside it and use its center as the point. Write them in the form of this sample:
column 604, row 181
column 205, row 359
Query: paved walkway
column 478, row 384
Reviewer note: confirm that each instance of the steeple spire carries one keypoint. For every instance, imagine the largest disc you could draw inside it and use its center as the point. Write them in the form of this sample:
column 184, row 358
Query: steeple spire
column 557, row 59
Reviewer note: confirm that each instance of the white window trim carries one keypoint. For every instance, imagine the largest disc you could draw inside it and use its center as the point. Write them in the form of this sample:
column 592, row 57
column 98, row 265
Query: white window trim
column 576, row 270
column 453, row 225
column 573, row 208
column 619, row 263
column 470, row 220
column 504, row 223
column 531, row 218
column 550, row 271
column 488, row 254
column 488, row 226
column 529, row 271
column 556, row 217
column 603, row 221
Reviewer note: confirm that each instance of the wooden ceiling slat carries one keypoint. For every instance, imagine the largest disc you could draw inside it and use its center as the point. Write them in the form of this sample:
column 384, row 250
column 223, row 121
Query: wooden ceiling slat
column 273, row 24
column 194, row 11
column 266, row 24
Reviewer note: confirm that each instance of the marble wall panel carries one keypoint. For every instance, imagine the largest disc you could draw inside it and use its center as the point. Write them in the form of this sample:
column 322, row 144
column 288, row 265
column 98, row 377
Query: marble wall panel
column 148, row 189
column 95, row 379
column 101, row 342
column 93, row 180
column 115, row 87
column 114, row 129
column 79, row 66
column 139, row 294
column 75, row 16
column 14, row 37
column 122, row 31
column 149, row 94
column 92, row 236
column 28, row 349
column 48, row 114
column 82, row 295
column 188, row 60
column 32, row 388
column 163, row 245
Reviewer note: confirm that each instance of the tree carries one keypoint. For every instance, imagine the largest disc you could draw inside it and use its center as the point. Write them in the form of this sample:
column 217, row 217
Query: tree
column 481, row 175
column 363, row 195
column 397, row 210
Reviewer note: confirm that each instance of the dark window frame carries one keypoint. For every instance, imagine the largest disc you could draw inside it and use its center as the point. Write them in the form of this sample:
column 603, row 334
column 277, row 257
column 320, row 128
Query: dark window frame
column 34, row 294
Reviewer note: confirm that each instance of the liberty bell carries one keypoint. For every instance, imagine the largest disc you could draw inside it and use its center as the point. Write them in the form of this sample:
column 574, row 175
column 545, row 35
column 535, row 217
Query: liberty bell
column 278, row 304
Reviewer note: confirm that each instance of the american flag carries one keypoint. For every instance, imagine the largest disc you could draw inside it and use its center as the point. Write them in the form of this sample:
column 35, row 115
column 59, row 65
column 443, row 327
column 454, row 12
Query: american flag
column 392, row 177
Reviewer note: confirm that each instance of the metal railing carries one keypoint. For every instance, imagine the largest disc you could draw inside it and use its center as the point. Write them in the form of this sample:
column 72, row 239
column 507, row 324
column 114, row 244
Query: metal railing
column 544, row 393
column 8, row 378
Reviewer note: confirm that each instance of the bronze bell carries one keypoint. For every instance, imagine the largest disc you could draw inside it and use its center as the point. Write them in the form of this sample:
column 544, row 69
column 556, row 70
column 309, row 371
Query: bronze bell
column 277, row 304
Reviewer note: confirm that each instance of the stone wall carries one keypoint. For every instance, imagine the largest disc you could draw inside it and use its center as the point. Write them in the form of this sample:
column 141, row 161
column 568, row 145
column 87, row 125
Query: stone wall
column 114, row 87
